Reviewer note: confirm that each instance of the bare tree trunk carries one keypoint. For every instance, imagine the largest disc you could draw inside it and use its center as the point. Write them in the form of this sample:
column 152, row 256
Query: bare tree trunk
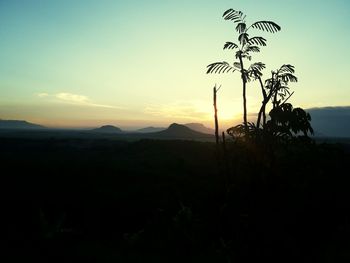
column 245, row 122
column 216, row 115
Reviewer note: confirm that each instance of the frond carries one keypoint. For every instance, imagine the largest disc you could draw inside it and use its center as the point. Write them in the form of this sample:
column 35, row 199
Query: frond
column 260, row 41
column 252, row 49
column 241, row 27
column 288, row 77
column 284, row 88
column 243, row 38
column 268, row 26
column 241, row 130
column 257, row 66
column 286, row 68
column 255, row 69
column 220, row 67
column 230, row 45
column 234, row 15
column 237, row 65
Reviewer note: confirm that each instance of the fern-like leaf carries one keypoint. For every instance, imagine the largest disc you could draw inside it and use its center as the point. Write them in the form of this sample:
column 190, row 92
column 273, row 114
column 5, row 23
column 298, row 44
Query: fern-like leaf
column 237, row 65
column 234, row 15
column 260, row 41
column 230, row 45
column 257, row 66
column 252, row 49
column 220, row 67
column 268, row 26
column 287, row 68
column 288, row 77
column 255, row 69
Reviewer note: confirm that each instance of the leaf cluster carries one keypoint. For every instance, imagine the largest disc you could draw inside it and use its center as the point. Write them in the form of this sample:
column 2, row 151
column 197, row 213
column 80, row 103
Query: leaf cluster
column 247, row 44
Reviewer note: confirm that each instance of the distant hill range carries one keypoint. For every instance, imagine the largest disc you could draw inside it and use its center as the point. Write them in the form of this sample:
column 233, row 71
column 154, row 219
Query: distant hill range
column 19, row 124
column 199, row 127
column 150, row 129
column 326, row 121
column 331, row 121
column 193, row 126
column 107, row 129
column 178, row 131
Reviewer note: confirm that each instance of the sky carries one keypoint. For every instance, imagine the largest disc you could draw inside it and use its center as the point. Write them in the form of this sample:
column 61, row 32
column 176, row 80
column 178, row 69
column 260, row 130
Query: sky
column 139, row 63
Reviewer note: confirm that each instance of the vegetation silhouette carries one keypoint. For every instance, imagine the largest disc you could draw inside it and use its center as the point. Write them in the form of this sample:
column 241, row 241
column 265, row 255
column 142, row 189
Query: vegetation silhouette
column 246, row 46
column 284, row 120
column 216, row 120
column 165, row 201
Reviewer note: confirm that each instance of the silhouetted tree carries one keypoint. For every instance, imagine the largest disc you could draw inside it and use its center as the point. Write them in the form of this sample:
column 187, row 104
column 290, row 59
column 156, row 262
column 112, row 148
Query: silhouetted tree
column 285, row 122
column 276, row 89
column 245, row 47
column 215, row 90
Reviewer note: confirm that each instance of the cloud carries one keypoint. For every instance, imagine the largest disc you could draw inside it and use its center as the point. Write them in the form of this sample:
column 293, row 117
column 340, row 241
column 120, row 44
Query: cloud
column 43, row 95
column 75, row 99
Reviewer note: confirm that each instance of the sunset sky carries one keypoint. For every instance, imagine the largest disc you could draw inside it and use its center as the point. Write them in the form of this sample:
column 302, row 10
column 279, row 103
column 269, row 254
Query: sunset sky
column 86, row 63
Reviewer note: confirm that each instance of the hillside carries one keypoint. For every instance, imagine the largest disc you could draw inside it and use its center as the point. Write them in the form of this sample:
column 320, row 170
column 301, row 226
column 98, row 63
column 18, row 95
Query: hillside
column 19, row 124
column 331, row 121
column 107, row 129
column 150, row 129
column 199, row 127
column 178, row 131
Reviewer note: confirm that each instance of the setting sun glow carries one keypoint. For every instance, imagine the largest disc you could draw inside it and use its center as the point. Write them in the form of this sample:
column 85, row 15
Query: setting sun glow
column 85, row 63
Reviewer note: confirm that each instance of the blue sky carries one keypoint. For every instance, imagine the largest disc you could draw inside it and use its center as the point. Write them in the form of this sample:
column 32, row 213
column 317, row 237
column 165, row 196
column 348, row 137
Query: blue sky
column 134, row 63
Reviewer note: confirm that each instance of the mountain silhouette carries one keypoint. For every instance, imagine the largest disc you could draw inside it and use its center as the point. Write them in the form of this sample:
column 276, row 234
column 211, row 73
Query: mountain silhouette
column 199, row 127
column 331, row 121
column 150, row 129
column 178, row 131
column 107, row 129
column 19, row 124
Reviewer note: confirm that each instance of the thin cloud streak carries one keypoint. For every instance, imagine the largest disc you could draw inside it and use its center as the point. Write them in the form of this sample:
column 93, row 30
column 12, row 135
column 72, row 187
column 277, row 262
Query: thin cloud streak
column 76, row 99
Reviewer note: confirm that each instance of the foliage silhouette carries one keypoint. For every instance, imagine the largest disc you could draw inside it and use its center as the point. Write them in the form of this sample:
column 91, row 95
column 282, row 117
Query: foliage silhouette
column 274, row 89
column 285, row 121
column 244, row 49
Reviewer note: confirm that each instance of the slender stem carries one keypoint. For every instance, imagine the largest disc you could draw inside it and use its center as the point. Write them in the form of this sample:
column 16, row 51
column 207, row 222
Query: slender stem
column 290, row 95
column 216, row 116
column 244, row 94
column 263, row 103
column 267, row 98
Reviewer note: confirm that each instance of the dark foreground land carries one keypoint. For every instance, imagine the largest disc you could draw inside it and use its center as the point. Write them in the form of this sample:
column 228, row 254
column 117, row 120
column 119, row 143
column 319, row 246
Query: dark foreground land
column 101, row 200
